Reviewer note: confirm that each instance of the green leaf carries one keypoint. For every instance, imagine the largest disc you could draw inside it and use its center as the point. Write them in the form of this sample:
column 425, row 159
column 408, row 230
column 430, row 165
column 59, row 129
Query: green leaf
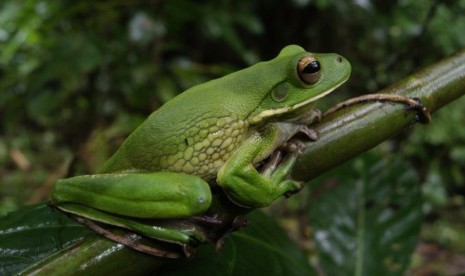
column 34, row 233
column 262, row 248
column 368, row 224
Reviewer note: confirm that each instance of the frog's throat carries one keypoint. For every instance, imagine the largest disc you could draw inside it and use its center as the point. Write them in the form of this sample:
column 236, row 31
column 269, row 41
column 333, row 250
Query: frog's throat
column 286, row 109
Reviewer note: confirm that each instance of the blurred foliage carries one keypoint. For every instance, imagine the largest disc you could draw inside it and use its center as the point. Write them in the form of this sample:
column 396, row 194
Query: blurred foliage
column 77, row 76
column 376, row 213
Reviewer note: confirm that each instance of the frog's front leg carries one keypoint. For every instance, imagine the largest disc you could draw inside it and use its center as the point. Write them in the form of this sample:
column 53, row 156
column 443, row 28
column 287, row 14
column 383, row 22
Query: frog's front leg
column 244, row 184
column 133, row 200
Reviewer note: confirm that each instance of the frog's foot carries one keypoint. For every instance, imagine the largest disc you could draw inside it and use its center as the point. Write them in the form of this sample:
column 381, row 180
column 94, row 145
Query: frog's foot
column 280, row 162
column 131, row 241
column 309, row 117
column 284, row 158
column 292, row 147
column 219, row 227
column 423, row 115
column 238, row 223
column 309, row 133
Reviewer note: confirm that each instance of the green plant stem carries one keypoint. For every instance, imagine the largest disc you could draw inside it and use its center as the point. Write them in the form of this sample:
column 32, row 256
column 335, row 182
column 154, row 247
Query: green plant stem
column 356, row 129
column 96, row 256
column 343, row 135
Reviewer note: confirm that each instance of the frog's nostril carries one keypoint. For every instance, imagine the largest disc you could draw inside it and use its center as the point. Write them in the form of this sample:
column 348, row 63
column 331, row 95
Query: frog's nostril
column 339, row 59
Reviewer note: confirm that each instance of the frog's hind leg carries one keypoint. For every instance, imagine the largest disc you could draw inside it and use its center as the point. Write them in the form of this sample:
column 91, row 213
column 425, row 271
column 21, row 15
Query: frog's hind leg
column 167, row 231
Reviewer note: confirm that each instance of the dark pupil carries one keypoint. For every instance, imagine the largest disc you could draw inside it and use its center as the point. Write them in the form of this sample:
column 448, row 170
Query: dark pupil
column 312, row 67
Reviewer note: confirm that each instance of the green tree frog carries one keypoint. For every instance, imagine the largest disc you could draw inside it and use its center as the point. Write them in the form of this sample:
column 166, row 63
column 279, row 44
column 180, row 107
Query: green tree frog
column 212, row 135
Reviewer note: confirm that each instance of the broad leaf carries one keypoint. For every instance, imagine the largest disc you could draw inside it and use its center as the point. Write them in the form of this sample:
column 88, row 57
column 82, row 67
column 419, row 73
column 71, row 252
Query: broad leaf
column 34, row 233
column 262, row 248
column 368, row 221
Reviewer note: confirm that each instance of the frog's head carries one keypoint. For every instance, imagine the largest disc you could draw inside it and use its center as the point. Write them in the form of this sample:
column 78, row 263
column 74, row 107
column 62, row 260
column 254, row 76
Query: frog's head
column 299, row 78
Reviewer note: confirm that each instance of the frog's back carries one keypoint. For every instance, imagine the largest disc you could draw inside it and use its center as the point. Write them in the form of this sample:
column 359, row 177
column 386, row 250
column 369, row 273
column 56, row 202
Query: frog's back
column 183, row 137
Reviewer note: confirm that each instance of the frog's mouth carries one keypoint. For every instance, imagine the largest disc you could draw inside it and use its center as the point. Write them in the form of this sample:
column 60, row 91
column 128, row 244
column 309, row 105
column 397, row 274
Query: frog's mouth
column 311, row 100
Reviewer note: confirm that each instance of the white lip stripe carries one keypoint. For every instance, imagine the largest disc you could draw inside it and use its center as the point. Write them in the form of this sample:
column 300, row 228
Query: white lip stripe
column 271, row 112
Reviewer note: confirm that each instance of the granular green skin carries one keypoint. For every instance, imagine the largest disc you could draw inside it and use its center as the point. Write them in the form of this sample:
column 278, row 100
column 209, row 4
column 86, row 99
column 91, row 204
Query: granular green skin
column 209, row 144
column 204, row 144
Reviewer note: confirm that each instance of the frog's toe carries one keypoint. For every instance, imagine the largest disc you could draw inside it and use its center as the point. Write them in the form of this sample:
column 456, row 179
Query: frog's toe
column 293, row 187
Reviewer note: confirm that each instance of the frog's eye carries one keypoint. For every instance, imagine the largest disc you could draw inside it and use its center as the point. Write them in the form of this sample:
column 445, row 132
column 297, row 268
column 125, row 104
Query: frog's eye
column 309, row 70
